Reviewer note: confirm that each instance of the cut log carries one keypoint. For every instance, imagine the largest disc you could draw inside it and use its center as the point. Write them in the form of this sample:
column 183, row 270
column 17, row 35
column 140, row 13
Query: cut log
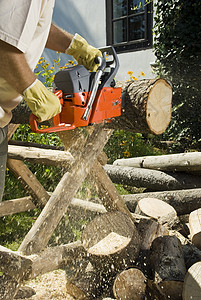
column 111, row 241
column 39, row 235
column 42, row 156
column 195, row 227
column 130, row 284
column 167, row 262
column 171, row 162
column 158, row 210
column 153, row 180
column 192, row 283
column 28, row 179
column 84, row 286
column 147, row 107
column 183, row 201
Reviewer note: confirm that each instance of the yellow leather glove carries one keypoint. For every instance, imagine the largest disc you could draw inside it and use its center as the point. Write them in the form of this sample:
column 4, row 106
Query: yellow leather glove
column 43, row 103
column 83, row 52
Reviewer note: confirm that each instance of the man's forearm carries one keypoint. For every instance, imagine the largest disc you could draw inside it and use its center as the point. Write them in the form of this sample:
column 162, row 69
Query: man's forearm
column 58, row 39
column 14, row 68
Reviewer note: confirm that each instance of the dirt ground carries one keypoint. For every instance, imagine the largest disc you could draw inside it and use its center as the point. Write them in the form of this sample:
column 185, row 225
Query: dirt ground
column 51, row 285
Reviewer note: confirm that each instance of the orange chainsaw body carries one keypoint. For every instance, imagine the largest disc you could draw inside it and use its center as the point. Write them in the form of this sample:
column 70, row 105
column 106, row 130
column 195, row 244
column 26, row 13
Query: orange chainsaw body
column 73, row 91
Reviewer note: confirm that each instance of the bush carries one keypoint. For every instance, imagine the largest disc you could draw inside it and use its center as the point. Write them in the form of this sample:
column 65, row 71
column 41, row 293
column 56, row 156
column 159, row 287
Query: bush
column 177, row 47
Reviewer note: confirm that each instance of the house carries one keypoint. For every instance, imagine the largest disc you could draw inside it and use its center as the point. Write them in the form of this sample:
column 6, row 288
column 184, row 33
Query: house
column 126, row 24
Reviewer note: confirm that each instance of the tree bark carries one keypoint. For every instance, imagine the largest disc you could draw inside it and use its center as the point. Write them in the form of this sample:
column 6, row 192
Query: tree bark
column 147, row 107
column 153, row 180
column 183, row 201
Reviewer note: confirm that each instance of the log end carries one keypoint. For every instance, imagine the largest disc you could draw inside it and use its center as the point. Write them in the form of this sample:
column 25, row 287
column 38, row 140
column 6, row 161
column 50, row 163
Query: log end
column 159, row 106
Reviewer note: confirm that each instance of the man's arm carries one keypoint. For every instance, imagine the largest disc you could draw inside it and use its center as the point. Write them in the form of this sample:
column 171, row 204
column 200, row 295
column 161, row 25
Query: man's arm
column 14, row 67
column 58, row 39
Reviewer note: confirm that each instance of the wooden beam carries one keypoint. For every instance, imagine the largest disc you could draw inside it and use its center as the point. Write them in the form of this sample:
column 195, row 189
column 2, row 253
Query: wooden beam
column 14, row 206
column 41, row 156
column 39, row 235
column 28, row 179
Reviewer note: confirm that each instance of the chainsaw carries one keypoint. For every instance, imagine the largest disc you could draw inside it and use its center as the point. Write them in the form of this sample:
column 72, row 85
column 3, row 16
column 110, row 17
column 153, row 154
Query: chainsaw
column 86, row 98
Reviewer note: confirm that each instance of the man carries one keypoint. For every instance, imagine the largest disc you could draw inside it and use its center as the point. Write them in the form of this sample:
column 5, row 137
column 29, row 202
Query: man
column 25, row 30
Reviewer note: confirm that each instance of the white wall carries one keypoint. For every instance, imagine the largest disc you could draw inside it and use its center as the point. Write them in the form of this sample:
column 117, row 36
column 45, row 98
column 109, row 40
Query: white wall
column 88, row 18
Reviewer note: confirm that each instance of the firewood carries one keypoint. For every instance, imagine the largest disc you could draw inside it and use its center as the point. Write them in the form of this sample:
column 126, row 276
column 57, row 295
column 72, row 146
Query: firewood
column 168, row 266
column 158, row 210
column 111, row 241
column 192, row 282
column 183, row 201
column 130, row 284
column 153, row 180
column 147, row 108
column 84, row 286
column 170, row 162
column 195, row 227
column 149, row 230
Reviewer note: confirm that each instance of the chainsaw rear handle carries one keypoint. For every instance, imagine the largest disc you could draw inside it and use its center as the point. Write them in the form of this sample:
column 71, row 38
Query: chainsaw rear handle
column 60, row 127
column 33, row 120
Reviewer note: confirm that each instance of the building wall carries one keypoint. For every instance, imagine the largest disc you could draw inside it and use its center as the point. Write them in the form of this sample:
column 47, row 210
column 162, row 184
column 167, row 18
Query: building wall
column 88, row 18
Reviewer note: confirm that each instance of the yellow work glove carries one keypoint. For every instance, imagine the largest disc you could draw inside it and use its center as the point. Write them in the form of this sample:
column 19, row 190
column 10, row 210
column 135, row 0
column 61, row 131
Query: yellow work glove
column 43, row 103
column 83, row 52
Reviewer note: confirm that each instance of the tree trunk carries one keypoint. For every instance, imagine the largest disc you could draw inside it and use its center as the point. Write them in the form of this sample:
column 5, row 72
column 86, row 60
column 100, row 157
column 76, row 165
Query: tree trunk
column 147, row 107
column 153, row 180
column 183, row 201
column 171, row 162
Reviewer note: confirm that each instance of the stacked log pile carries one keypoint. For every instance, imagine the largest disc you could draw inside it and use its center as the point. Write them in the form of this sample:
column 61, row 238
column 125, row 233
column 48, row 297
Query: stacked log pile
column 151, row 256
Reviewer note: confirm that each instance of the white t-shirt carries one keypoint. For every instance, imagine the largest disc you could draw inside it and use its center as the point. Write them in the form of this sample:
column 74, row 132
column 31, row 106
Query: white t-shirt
column 24, row 24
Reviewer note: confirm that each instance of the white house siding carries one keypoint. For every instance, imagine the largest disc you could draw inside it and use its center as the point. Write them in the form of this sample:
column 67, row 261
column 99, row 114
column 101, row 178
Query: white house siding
column 88, row 18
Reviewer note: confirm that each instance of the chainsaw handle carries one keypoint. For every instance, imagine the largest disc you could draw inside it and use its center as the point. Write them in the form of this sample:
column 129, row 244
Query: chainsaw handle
column 60, row 127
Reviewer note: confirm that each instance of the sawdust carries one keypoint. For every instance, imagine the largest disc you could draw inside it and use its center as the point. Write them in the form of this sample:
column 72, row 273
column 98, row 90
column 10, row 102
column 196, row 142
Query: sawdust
column 51, row 285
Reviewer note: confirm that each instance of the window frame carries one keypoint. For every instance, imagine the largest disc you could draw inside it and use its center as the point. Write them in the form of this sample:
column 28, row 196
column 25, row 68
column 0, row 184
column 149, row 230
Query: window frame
column 134, row 45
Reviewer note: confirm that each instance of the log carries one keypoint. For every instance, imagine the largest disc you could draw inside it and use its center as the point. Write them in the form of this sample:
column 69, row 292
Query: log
column 195, row 227
column 158, row 210
column 111, row 241
column 149, row 230
column 107, row 191
column 84, row 286
column 153, row 180
column 39, row 155
column 147, row 107
column 130, row 284
column 167, row 262
column 39, row 235
column 190, row 161
column 14, row 206
column 192, row 282
column 183, row 201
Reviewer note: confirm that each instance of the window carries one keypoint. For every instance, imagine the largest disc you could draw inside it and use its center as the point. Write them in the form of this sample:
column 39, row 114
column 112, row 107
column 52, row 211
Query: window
column 129, row 24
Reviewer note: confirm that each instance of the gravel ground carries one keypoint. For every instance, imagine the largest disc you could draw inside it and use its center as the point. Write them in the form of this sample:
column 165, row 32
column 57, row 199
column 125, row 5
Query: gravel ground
column 51, row 285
